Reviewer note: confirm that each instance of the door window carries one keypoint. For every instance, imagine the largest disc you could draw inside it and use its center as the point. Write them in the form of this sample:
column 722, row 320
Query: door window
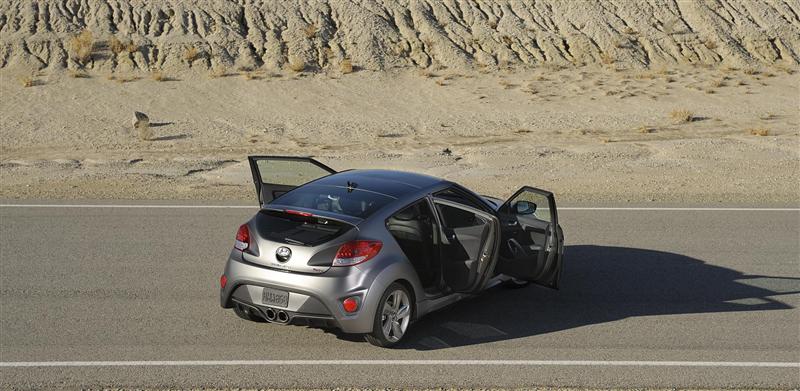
column 456, row 195
column 289, row 172
column 535, row 204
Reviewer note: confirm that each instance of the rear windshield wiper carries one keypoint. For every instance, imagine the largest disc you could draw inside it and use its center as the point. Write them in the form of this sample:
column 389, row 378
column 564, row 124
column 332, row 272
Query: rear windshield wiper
column 293, row 241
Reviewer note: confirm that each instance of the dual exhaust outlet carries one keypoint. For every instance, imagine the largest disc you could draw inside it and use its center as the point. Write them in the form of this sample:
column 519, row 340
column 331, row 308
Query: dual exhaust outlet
column 278, row 316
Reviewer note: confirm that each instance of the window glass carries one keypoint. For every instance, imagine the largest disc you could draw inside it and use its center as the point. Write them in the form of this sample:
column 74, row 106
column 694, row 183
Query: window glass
column 457, row 196
column 458, row 218
column 337, row 199
column 289, row 172
column 542, row 211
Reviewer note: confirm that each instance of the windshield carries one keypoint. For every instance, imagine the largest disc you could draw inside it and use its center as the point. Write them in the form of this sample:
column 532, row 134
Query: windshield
column 336, row 199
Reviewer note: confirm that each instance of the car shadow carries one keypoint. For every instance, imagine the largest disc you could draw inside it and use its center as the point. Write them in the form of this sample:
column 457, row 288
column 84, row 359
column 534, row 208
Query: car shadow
column 600, row 284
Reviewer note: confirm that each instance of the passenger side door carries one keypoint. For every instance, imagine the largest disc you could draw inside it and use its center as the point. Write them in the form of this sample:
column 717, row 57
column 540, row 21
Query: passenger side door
column 468, row 245
column 275, row 175
column 532, row 243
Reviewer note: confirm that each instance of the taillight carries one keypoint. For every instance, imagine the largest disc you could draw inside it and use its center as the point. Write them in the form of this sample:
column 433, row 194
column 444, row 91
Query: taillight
column 223, row 280
column 350, row 304
column 242, row 238
column 356, row 251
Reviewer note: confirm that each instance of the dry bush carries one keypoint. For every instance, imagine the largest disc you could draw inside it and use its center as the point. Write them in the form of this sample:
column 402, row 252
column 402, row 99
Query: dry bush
column 77, row 74
column 116, row 46
column 718, row 83
column 346, row 66
column 28, row 80
column 758, row 132
column 310, row 30
column 218, row 71
column 296, row 64
column 250, row 75
column 125, row 79
column 158, row 76
column 426, row 73
column 507, row 84
column 440, row 83
column 82, row 46
column 682, row 115
column 191, row 54
column 630, row 31
column 606, row 58
column 710, row 44
column 750, row 71
column 131, row 47
column 710, row 91
column 646, row 129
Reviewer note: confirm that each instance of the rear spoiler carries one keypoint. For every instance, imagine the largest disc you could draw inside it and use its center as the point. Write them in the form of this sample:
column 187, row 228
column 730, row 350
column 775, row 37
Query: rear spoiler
column 293, row 210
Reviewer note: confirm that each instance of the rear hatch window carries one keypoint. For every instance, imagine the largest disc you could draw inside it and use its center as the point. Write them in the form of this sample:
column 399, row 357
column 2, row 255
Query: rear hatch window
column 342, row 200
column 287, row 228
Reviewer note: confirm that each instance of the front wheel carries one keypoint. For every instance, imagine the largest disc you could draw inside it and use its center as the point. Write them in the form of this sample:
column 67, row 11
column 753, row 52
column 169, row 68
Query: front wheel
column 392, row 317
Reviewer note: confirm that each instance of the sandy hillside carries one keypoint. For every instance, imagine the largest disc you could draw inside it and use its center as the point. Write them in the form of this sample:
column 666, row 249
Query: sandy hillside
column 382, row 34
column 612, row 102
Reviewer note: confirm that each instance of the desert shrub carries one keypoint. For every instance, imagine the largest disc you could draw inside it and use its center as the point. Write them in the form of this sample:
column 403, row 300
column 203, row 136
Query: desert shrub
column 191, row 54
column 758, row 132
column 158, row 76
column 310, row 31
column 115, row 45
column 682, row 115
column 81, row 46
column 346, row 66
column 27, row 80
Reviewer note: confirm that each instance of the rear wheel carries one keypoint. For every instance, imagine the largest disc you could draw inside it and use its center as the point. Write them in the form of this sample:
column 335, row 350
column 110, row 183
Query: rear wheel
column 247, row 313
column 392, row 317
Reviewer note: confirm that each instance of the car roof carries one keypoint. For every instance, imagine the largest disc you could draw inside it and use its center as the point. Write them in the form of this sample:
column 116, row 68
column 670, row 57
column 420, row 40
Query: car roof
column 392, row 183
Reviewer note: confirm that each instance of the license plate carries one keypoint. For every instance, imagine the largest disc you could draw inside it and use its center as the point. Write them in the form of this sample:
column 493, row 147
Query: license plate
column 275, row 297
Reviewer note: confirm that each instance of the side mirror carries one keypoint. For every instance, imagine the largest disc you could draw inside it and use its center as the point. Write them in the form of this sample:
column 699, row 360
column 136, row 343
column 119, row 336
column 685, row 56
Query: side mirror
column 524, row 207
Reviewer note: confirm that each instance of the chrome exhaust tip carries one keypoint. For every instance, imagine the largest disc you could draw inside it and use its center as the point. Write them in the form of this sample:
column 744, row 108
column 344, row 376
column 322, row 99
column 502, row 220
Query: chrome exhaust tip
column 270, row 314
column 283, row 317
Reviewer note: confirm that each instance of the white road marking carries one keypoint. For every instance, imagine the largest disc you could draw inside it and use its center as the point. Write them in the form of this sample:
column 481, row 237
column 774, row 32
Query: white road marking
column 715, row 364
column 144, row 206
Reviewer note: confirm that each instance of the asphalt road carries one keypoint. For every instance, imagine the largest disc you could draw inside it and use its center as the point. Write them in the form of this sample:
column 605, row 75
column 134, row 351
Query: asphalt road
column 641, row 286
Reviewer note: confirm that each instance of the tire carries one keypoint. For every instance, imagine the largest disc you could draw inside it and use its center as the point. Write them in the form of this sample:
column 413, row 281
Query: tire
column 247, row 314
column 513, row 283
column 394, row 312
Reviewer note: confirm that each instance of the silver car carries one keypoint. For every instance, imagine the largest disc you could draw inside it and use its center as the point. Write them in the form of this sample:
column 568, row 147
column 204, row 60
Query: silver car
column 370, row 251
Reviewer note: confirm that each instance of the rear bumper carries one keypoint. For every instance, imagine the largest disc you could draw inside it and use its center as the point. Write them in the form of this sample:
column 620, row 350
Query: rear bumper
column 315, row 297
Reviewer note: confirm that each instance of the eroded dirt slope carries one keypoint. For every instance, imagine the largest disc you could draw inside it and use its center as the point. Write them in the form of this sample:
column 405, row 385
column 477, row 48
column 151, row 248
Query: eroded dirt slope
column 381, row 34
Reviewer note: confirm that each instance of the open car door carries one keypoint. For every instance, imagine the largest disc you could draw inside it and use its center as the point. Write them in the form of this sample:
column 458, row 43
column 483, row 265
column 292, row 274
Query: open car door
column 532, row 243
column 468, row 245
column 275, row 175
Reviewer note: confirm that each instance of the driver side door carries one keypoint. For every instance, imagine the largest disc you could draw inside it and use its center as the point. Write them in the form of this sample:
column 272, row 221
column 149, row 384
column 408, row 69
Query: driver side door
column 532, row 242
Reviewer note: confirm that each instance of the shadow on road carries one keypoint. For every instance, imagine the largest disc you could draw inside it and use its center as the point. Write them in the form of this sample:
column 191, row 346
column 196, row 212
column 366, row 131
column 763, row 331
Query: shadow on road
column 600, row 284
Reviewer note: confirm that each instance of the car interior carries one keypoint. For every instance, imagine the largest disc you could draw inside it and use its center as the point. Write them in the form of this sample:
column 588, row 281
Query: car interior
column 443, row 264
column 414, row 230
